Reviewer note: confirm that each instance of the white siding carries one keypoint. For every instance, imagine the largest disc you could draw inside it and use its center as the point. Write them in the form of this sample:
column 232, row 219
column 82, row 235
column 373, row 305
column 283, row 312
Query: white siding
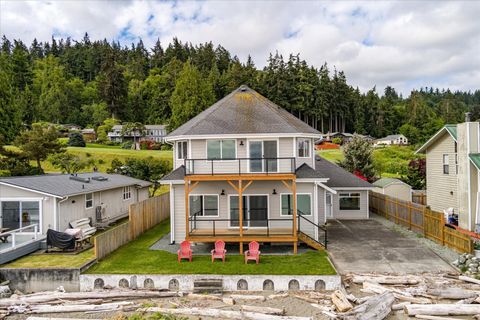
column 350, row 214
column 441, row 188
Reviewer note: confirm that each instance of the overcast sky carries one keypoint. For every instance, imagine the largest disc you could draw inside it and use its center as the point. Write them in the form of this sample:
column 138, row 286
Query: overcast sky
column 405, row 44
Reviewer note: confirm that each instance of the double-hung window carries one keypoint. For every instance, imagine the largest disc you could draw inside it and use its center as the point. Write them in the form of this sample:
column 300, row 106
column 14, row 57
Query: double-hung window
column 446, row 167
column 349, row 201
column 221, row 149
column 204, row 205
column 88, row 200
column 127, row 194
column 182, row 150
column 303, row 148
column 304, row 204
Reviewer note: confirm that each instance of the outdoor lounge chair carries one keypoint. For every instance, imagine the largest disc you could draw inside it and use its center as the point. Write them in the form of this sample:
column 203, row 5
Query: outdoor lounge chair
column 219, row 251
column 185, row 252
column 252, row 253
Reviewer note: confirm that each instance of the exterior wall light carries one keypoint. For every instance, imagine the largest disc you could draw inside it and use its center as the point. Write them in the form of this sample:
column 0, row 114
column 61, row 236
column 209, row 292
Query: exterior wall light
column 274, row 191
column 223, row 192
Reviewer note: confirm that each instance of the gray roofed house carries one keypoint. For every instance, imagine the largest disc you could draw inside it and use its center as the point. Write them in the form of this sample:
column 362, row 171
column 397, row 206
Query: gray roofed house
column 30, row 205
column 394, row 188
column 245, row 146
column 393, row 139
column 244, row 111
column 154, row 132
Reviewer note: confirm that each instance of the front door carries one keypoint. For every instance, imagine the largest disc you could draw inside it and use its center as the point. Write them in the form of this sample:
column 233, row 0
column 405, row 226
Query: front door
column 263, row 156
column 255, row 211
column 258, row 211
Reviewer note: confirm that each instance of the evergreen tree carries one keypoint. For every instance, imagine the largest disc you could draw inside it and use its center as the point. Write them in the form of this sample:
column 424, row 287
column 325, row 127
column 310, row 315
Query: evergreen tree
column 358, row 158
column 191, row 96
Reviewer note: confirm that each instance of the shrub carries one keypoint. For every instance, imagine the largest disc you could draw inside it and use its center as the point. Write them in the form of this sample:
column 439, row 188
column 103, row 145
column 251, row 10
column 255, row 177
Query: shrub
column 166, row 146
column 337, row 140
column 127, row 145
column 75, row 139
column 156, row 146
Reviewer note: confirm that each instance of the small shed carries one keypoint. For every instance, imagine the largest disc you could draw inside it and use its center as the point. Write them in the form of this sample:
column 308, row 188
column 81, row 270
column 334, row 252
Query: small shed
column 89, row 135
column 393, row 187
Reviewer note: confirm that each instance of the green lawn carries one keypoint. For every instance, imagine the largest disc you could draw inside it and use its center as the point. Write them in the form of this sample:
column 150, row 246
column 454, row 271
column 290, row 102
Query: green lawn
column 135, row 257
column 389, row 161
column 52, row 260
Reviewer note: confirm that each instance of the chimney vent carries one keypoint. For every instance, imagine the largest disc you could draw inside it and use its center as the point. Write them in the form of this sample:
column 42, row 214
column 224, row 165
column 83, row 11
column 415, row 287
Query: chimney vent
column 243, row 88
column 468, row 116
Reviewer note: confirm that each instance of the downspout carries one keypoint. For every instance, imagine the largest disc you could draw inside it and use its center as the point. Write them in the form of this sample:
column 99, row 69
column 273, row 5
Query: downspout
column 55, row 214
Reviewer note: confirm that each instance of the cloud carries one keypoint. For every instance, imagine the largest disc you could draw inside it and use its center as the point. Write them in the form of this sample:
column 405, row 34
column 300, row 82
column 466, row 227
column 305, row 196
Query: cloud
column 406, row 44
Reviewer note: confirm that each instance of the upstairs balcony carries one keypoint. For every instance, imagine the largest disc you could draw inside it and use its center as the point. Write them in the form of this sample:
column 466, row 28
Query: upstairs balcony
column 279, row 166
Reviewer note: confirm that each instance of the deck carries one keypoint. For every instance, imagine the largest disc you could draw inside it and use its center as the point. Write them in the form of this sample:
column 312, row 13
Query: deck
column 251, row 234
column 24, row 244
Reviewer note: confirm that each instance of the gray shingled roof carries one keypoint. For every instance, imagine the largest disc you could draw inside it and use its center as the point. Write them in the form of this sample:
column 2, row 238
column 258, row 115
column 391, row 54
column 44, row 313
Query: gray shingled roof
column 338, row 177
column 177, row 174
column 244, row 111
column 61, row 185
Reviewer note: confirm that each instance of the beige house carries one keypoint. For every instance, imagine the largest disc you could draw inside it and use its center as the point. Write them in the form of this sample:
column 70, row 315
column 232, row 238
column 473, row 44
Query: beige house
column 453, row 171
column 393, row 139
column 246, row 147
column 395, row 188
column 31, row 205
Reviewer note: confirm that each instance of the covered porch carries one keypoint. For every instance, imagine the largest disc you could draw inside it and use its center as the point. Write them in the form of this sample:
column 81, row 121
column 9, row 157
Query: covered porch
column 254, row 224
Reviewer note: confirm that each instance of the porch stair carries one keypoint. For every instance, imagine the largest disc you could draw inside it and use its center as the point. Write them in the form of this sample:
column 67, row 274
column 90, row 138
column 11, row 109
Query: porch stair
column 309, row 241
column 212, row 286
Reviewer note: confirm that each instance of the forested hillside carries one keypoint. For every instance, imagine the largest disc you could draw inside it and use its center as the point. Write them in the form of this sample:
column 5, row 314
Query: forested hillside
column 85, row 82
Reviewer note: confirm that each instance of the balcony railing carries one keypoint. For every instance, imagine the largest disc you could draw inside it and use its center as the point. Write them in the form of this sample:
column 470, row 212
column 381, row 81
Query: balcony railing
column 240, row 166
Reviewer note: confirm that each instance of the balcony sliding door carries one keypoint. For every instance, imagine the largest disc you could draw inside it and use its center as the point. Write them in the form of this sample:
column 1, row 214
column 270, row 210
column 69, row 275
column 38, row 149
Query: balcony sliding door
column 263, row 156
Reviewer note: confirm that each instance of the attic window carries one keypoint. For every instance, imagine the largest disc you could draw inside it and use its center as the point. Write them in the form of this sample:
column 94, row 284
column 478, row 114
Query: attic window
column 303, row 148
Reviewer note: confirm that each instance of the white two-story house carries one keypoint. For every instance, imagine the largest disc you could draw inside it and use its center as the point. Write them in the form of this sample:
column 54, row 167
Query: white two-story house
column 245, row 169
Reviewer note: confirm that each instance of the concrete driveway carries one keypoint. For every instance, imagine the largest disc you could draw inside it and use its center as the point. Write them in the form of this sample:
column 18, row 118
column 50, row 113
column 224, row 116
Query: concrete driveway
column 368, row 246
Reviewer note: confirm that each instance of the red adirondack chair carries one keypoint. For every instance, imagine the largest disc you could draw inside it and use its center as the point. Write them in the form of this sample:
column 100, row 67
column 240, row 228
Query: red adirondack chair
column 252, row 253
column 185, row 252
column 219, row 251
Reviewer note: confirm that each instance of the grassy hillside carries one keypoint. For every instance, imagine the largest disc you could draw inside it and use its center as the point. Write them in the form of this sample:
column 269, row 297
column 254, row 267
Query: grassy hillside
column 389, row 161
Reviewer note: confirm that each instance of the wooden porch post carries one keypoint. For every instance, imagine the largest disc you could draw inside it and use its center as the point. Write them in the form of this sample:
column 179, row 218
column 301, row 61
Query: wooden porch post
column 240, row 213
column 294, row 196
column 187, row 191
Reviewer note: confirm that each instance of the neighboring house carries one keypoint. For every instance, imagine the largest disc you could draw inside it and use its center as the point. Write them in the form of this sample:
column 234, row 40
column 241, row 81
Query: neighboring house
column 395, row 188
column 71, row 127
column 345, row 136
column 396, row 139
column 246, row 147
column 453, row 171
column 89, row 135
column 153, row 132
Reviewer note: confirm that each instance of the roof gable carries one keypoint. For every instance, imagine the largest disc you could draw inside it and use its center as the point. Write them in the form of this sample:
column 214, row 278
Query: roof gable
column 451, row 129
column 244, row 111
column 384, row 182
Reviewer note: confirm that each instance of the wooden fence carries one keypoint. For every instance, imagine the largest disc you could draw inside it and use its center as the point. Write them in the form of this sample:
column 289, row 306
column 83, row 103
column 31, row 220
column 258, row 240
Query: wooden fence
column 148, row 213
column 143, row 215
column 420, row 219
column 111, row 240
column 419, row 196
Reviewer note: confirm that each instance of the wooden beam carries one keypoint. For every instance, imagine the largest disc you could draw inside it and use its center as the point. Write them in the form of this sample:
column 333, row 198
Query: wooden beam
column 240, row 210
column 193, row 186
column 233, row 185
column 224, row 177
column 237, row 239
column 247, row 185
column 294, row 196
column 289, row 187
column 187, row 192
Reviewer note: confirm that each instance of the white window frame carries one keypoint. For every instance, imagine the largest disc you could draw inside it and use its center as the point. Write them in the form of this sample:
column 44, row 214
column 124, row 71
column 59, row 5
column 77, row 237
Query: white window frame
column 350, row 195
column 221, row 151
column 184, row 150
column 309, row 147
column 446, row 165
column 127, row 193
column 298, row 193
column 40, row 211
column 277, row 140
column 87, row 200
column 203, row 204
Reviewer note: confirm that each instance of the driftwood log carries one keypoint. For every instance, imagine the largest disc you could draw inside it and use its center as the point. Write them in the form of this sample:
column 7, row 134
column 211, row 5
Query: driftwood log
column 341, row 302
column 452, row 293
column 222, row 314
column 375, row 308
column 38, row 309
column 386, row 279
column 247, row 297
column 442, row 309
column 265, row 310
column 47, row 297
column 420, row 316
